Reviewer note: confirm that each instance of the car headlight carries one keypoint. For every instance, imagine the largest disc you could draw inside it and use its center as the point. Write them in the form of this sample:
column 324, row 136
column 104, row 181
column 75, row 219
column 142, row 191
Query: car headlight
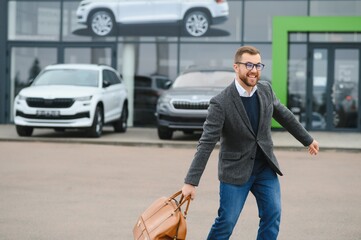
column 163, row 103
column 21, row 97
column 83, row 99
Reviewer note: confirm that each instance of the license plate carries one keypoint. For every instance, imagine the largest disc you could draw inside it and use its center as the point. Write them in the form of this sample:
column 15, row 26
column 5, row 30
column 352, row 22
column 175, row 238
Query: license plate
column 48, row 113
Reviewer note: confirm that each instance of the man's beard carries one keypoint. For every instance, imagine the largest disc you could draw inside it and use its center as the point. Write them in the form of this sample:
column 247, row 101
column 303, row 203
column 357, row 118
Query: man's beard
column 248, row 83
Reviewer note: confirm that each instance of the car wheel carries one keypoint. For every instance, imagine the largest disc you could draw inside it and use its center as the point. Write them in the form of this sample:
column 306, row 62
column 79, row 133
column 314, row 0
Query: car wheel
column 24, row 131
column 165, row 133
column 97, row 127
column 102, row 23
column 196, row 23
column 121, row 124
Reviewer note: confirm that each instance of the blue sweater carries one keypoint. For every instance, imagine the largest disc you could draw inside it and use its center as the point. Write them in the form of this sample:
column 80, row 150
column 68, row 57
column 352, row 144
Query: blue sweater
column 251, row 104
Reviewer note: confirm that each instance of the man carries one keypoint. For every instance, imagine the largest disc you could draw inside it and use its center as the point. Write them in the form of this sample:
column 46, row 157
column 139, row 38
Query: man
column 240, row 116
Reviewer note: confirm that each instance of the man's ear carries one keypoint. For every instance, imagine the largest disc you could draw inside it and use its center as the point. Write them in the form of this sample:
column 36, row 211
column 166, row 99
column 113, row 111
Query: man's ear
column 235, row 67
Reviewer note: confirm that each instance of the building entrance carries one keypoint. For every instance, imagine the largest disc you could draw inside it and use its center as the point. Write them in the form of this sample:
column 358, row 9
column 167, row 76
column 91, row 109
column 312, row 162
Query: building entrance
column 333, row 91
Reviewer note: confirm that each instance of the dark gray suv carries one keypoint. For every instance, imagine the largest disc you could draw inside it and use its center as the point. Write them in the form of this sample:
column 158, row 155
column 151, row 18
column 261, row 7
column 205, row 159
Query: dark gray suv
column 184, row 106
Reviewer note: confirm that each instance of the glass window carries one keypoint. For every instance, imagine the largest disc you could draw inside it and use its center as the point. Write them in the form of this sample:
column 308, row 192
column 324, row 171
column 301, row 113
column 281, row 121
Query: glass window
column 142, row 81
column 212, row 55
column 259, row 14
column 345, row 96
column 149, row 58
column 335, row 8
column 26, row 64
column 88, row 55
column 66, row 77
column 75, row 31
column 33, row 20
column 298, row 37
column 163, row 83
column 297, row 79
column 335, row 37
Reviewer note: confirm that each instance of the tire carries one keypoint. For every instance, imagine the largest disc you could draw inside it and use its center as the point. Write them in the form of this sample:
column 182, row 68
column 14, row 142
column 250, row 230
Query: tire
column 96, row 129
column 196, row 23
column 24, row 131
column 165, row 133
column 121, row 124
column 102, row 23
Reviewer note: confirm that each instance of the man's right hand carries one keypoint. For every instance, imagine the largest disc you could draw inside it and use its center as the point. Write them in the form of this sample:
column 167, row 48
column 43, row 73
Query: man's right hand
column 189, row 190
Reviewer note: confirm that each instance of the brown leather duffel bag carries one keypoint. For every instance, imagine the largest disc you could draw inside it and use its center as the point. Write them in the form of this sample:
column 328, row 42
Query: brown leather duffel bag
column 163, row 220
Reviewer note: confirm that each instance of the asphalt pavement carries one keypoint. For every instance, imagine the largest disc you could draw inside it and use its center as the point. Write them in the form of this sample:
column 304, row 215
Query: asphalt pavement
column 66, row 186
column 136, row 136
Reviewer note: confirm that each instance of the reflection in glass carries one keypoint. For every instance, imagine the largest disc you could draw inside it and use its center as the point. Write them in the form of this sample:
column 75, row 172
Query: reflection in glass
column 297, row 80
column 88, row 55
column 33, row 20
column 211, row 55
column 319, row 82
column 335, row 37
column 335, row 8
column 346, row 88
column 153, row 58
column 259, row 14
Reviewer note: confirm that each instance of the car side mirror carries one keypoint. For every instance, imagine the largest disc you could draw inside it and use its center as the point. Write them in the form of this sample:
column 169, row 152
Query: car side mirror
column 30, row 81
column 168, row 84
column 106, row 83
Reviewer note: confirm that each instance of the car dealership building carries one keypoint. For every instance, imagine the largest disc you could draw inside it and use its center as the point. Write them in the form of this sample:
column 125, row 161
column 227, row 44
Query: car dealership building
column 311, row 48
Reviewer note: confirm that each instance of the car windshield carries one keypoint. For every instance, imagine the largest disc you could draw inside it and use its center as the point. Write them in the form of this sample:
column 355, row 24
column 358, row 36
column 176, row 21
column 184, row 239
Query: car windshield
column 204, row 79
column 73, row 77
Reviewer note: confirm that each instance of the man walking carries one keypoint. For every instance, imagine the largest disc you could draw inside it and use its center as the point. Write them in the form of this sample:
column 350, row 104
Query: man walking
column 240, row 117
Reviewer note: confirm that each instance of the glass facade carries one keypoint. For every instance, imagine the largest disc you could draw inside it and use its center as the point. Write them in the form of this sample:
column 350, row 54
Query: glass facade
column 44, row 32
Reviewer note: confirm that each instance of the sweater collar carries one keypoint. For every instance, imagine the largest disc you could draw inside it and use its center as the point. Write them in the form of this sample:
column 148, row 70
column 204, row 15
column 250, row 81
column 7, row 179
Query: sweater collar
column 242, row 92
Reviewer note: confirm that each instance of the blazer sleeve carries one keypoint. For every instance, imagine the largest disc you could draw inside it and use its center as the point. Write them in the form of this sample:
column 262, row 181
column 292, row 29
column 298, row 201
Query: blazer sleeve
column 286, row 118
column 211, row 134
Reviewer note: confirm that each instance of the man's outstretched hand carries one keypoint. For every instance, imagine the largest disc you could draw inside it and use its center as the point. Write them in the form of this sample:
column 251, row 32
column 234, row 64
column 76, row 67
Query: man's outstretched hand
column 313, row 148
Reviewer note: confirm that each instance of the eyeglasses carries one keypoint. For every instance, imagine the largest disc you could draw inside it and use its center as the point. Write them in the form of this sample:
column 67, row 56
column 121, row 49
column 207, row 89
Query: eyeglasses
column 250, row 66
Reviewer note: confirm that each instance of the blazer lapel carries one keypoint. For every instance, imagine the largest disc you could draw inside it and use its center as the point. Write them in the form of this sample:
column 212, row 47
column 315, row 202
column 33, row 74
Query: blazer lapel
column 240, row 108
column 262, row 102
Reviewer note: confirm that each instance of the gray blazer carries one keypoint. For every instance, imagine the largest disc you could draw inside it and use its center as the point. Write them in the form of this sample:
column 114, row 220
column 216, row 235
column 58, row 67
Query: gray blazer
column 228, row 122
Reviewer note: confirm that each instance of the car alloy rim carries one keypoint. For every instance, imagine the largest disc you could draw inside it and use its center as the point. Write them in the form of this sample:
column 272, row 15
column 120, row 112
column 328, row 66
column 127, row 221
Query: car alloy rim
column 99, row 123
column 124, row 118
column 102, row 24
column 197, row 25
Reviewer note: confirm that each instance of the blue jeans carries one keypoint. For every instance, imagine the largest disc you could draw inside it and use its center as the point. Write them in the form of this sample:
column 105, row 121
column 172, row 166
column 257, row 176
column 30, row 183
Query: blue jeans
column 266, row 189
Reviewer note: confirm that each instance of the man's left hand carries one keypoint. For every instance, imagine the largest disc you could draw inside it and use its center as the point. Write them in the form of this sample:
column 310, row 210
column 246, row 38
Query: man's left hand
column 313, row 148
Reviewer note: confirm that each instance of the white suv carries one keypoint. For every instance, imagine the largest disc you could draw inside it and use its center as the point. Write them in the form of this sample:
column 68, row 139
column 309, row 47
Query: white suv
column 63, row 96
column 195, row 15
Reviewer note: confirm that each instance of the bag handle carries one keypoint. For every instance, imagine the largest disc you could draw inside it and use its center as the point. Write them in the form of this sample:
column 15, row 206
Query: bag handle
column 181, row 202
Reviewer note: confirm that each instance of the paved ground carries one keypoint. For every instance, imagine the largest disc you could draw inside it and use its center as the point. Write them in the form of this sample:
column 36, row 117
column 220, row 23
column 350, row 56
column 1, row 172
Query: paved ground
column 59, row 187
column 66, row 186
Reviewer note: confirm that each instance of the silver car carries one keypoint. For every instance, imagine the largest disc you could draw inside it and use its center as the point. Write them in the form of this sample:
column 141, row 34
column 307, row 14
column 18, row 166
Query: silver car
column 184, row 106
